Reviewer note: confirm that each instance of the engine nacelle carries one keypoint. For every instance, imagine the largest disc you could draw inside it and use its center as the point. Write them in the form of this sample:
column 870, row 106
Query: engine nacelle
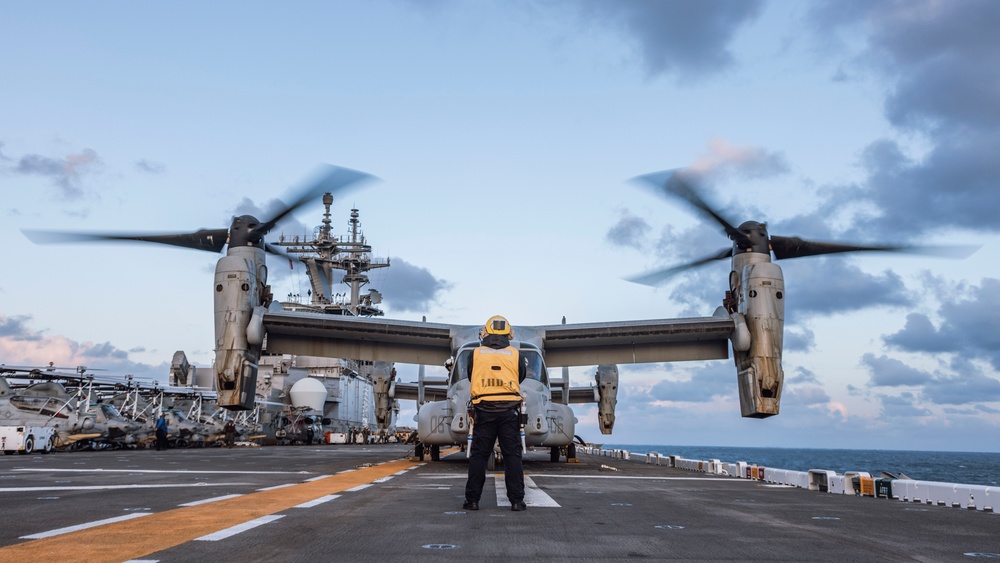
column 434, row 424
column 382, row 379
column 607, row 389
column 760, row 287
column 238, row 288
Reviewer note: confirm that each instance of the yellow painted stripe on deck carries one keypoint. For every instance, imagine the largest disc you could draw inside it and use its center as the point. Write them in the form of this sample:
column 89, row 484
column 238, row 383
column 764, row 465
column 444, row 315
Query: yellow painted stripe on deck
column 132, row 539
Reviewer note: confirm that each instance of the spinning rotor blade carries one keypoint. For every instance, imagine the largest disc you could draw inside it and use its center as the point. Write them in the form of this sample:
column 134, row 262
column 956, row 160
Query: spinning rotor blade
column 795, row 247
column 657, row 277
column 752, row 236
column 280, row 252
column 327, row 179
column 673, row 183
column 212, row 240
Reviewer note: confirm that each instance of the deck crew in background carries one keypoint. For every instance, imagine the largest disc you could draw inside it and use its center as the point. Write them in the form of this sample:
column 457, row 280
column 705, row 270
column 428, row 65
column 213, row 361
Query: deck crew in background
column 161, row 433
column 496, row 371
column 230, row 430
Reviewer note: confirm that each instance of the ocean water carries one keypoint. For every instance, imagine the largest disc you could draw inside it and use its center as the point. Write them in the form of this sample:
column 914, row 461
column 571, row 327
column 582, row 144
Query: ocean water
column 971, row 468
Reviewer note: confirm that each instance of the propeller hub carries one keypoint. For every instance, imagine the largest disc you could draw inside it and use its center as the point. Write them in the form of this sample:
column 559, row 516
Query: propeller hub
column 244, row 232
column 755, row 238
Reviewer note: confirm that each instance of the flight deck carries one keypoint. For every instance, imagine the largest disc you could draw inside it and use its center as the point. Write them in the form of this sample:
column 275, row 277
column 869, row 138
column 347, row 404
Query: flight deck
column 373, row 503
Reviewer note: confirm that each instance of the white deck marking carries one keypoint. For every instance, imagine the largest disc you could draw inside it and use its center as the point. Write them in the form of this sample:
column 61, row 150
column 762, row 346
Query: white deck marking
column 278, row 487
column 316, row 502
column 533, row 496
column 358, row 488
column 644, row 478
column 239, row 528
column 100, row 470
column 114, row 487
column 208, row 500
column 559, row 475
column 79, row 527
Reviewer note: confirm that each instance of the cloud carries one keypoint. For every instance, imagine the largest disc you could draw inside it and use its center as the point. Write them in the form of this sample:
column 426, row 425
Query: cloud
column 801, row 376
column 724, row 159
column 411, row 288
column 890, row 372
column 630, row 230
column 22, row 345
column 689, row 40
column 150, row 167
column 799, row 338
column 962, row 388
column 805, row 396
column 969, row 324
column 16, row 328
column 827, row 285
column 962, row 383
column 939, row 62
column 66, row 172
column 902, row 406
column 705, row 385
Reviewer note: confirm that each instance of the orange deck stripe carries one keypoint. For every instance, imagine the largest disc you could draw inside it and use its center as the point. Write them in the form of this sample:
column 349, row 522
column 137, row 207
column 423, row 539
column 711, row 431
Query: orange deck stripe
column 132, row 539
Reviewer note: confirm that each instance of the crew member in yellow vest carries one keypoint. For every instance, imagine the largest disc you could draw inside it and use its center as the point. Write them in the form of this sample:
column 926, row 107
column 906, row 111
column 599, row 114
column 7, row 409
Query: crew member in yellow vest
column 496, row 371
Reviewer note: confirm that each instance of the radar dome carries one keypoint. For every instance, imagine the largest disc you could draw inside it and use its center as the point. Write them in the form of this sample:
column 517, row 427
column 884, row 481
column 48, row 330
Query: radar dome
column 308, row 393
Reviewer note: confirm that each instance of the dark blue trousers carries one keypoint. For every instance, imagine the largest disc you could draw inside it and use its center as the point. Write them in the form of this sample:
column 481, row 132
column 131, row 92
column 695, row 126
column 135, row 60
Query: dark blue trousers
column 490, row 427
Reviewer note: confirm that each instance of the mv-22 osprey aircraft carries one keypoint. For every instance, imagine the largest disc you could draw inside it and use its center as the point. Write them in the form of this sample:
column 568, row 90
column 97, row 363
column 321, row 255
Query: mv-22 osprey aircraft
column 751, row 319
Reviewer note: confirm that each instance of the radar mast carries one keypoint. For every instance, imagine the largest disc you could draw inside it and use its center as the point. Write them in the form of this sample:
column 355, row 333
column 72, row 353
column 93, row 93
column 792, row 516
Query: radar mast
column 325, row 253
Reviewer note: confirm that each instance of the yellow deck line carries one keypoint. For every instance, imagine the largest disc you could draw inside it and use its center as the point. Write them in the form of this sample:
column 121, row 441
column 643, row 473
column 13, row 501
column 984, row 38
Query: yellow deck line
column 132, row 539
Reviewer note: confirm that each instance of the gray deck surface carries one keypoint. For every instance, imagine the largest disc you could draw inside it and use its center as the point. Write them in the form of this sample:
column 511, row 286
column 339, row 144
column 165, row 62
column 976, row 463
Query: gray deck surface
column 599, row 509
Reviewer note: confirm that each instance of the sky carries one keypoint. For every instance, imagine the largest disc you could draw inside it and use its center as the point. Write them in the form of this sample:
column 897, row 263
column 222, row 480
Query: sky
column 504, row 137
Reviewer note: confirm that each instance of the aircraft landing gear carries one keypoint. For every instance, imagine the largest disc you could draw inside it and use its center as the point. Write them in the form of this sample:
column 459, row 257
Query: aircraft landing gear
column 555, row 452
column 435, row 453
column 418, row 451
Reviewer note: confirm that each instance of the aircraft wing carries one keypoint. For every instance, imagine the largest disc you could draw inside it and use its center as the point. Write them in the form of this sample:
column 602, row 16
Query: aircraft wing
column 368, row 339
column 415, row 342
column 408, row 392
column 636, row 342
column 576, row 395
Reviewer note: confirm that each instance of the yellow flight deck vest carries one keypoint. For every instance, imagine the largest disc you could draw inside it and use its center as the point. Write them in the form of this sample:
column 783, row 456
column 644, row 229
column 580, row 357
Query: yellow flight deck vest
column 494, row 374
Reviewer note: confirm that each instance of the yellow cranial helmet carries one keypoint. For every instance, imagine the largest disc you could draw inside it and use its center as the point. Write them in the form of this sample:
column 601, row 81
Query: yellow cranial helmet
column 497, row 325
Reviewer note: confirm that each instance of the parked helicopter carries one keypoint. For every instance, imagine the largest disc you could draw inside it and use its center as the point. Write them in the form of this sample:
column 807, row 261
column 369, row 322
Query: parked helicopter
column 750, row 319
column 78, row 417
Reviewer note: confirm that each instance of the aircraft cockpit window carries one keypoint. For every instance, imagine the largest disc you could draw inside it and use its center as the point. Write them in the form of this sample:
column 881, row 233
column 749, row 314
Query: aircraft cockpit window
column 41, row 405
column 109, row 411
column 28, row 403
column 461, row 369
column 536, row 369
